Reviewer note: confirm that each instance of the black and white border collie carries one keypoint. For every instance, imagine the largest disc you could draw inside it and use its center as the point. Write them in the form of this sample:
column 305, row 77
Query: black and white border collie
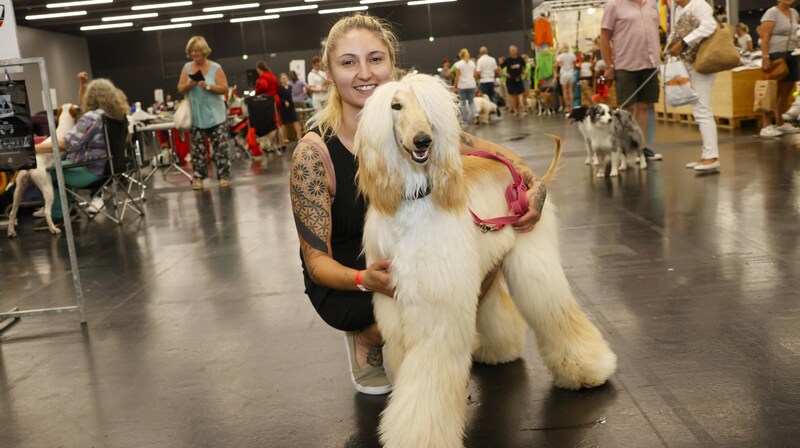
column 608, row 132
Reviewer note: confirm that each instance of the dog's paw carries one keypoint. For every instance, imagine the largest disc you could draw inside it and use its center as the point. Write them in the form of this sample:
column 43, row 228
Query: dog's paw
column 595, row 162
column 55, row 231
column 601, row 174
column 591, row 370
column 12, row 234
column 623, row 167
column 614, row 173
column 587, row 161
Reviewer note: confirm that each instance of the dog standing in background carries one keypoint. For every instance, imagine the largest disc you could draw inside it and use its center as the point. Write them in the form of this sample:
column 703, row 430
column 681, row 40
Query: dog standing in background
column 544, row 101
column 485, row 107
column 609, row 134
column 66, row 116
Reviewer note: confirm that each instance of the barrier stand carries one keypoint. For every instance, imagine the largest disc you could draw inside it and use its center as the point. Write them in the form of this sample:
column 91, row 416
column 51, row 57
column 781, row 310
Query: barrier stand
column 15, row 314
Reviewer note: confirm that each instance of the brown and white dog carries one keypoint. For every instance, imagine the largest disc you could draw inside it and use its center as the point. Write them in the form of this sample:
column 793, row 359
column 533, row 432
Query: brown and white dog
column 66, row 116
column 421, row 191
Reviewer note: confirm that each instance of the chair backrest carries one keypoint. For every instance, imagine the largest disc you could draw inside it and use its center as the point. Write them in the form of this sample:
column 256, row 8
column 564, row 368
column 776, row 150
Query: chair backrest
column 261, row 114
column 116, row 133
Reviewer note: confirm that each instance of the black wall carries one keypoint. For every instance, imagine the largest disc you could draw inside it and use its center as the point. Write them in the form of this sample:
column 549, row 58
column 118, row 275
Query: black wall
column 140, row 62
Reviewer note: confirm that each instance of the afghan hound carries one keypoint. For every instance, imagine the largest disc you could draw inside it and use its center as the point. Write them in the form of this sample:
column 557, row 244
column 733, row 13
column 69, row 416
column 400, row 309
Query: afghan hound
column 421, row 191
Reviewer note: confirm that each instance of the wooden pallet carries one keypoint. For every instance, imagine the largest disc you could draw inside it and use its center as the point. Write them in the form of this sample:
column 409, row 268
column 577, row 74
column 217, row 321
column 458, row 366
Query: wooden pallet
column 737, row 122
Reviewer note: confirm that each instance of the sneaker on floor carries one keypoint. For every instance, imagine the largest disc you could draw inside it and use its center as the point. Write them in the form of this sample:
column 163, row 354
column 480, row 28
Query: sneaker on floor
column 788, row 128
column 369, row 380
column 650, row 154
column 39, row 213
column 707, row 166
column 95, row 206
column 770, row 131
column 197, row 184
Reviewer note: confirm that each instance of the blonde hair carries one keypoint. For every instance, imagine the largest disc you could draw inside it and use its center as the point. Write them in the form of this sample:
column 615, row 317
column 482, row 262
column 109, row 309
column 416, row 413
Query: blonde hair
column 743, row 27
column 463, row 54
column 329, row 118
column 564, row 49
column 200, row 43
column 102, row 94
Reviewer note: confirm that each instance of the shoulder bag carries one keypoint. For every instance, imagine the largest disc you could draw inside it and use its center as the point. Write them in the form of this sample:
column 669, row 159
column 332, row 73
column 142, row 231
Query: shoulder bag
column 717, row 52
column 183, row 115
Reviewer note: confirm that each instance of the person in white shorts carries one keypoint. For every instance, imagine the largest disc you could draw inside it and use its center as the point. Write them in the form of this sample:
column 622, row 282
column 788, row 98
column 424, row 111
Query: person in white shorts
column 566, row 64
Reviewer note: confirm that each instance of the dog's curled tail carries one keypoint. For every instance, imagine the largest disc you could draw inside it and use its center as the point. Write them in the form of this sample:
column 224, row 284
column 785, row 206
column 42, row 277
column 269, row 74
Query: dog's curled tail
column 556, row 158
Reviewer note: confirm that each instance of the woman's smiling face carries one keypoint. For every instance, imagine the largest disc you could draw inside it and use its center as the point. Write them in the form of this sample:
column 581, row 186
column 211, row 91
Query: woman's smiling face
column 359, row 64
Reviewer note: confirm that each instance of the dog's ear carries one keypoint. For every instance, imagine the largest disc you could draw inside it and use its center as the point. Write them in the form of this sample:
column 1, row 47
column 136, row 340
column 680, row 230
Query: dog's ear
column 577, row 114
column 378, row 153
column 58, row 112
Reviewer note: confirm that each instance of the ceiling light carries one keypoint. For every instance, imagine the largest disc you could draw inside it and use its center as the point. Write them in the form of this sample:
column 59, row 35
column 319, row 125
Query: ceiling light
column 80, row 3
column 105, row 27
column 312, row 1
column 251, row 19
column 146, row 15
column 160, row 5
column 369, row 2
column 291, row 8
column 55, row 14
column 167, row 27
column 590, row 11
column 337, row 10
column 427, row 2
column 231, row 7
column 189, row 19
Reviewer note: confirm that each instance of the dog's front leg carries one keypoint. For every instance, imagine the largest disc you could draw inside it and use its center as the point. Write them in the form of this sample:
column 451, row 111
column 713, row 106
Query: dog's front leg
column 45, row 185
column 12, row 217
column 427, row 407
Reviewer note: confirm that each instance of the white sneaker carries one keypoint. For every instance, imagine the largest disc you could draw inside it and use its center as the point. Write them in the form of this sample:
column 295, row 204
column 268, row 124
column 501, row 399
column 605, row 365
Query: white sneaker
column 707, row 167
column 96, row 205
column 788, row 128
column 692, row 164
column 39, row 213
column 770, row 131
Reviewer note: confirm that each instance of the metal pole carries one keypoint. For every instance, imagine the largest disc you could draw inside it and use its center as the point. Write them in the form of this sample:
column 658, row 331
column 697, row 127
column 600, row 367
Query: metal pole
column 62, row 192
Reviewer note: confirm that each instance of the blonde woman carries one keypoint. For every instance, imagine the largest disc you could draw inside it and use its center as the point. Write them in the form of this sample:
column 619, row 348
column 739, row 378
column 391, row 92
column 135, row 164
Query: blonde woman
column 565, row 62
column 465, row 86
column 359, row 55
column 778, row 33
column 87, row 141
column 205, row 88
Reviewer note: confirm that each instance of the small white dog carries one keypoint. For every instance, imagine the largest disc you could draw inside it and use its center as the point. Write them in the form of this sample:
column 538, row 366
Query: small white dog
column 485, row 108
column 609, row 134
column 66, row 117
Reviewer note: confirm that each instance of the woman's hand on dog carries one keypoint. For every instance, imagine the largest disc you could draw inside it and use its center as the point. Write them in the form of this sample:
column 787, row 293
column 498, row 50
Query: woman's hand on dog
column 536, row 196
column 376, row 278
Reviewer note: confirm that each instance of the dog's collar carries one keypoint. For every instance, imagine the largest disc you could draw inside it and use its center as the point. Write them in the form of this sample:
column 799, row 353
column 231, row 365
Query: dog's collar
column 419, row 194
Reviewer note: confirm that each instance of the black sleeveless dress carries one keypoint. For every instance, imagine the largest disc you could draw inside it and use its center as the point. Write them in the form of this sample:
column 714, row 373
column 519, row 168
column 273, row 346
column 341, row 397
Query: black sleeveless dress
column 343, row 310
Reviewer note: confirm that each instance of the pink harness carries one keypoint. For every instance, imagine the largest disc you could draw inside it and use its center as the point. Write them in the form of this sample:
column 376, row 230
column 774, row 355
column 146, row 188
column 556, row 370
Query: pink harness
column 516, row 197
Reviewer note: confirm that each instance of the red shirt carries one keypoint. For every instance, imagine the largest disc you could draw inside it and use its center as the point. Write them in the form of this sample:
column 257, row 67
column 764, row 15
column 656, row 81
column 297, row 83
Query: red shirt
column 267, row 84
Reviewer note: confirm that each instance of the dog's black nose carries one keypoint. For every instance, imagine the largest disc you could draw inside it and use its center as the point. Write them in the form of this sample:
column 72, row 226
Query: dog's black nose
column 422, row 140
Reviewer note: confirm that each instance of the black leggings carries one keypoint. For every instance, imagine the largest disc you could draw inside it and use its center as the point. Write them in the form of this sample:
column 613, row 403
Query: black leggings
column 345, row 310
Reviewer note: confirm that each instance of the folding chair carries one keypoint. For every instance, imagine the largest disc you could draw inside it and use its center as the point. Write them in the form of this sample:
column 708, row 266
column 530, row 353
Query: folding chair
column 261, row 117
column 119, row 178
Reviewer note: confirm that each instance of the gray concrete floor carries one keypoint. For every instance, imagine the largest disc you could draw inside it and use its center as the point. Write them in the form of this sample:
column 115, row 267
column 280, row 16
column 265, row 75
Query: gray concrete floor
column 199, row 334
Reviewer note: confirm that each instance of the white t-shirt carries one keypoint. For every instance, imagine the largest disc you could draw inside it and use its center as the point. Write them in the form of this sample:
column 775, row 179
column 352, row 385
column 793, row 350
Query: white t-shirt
column 316, row 79
column 586, row 69
column 486, row 66
column 567, row 61
column 743, row 40
column 466, row 74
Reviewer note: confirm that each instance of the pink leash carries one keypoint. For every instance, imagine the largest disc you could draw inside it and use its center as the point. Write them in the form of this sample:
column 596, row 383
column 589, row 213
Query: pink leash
column 516, row 197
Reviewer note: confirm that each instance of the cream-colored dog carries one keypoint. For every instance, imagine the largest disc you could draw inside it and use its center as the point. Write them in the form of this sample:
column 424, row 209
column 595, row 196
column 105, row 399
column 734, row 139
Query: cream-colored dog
column 66, row 116
column 485, row 107
column 421, row 191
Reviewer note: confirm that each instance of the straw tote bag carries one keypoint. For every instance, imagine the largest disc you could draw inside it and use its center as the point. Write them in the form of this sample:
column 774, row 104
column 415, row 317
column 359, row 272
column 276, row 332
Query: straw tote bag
column 717, row 52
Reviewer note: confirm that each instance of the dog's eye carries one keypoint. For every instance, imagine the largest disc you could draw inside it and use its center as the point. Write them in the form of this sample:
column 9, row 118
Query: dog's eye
column 397, row 106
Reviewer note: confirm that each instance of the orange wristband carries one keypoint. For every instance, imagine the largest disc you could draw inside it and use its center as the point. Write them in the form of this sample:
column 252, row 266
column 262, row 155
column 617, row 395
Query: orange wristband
column 360, row 285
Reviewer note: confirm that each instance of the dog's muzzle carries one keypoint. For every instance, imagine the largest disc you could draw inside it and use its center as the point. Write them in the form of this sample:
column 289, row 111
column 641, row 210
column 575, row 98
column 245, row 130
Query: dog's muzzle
column 422, row 143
